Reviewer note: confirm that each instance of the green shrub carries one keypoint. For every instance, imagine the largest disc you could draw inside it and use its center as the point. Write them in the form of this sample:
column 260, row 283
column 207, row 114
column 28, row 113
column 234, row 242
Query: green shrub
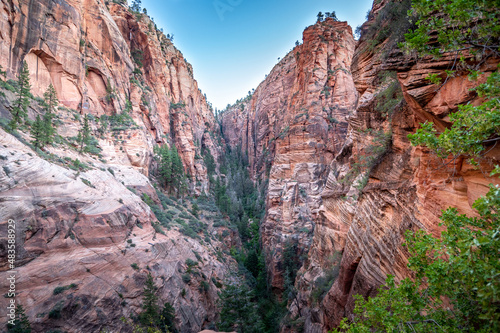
column 58, row 290
column 191, row 263
column 55, row 313
column 186, row 278
column 204, row 286
column 135, row 266
column 87, row 182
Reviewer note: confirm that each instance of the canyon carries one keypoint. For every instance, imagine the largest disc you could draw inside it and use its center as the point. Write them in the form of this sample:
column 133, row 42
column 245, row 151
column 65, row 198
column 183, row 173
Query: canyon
column 326, row 131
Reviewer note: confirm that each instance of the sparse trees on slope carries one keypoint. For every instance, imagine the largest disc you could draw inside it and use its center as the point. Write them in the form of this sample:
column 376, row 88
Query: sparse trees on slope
column 19, row 110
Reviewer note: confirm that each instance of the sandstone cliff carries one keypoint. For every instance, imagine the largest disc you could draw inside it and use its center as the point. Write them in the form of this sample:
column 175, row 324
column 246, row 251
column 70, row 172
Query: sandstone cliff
column 350, row 187
column 291, row 128
column 80, row 218
column 99, row 56
column 327, row 129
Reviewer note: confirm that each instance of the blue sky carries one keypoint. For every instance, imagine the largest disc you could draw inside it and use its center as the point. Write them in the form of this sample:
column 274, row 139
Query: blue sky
column 233, row 44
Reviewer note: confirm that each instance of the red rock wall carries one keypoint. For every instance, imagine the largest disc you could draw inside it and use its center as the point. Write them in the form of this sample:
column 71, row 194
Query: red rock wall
column 363, row 185
column 292, row 127
column 89, row 227
column 84, row 48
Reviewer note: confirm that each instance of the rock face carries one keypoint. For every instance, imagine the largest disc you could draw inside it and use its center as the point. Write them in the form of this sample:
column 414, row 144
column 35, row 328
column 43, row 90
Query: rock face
column 100, row 56
column 351, row 189
column 327, row 130
column 292, row 127
column 88, row 225
column 86, row 228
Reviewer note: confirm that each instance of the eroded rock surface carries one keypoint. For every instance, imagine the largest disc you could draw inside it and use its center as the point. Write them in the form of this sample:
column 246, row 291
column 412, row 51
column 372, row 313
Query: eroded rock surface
column 351, row 189
column 89, row 226
column 292, row 127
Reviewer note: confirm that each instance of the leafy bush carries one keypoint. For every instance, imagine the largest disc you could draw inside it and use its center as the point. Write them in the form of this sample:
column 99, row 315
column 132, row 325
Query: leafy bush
column 191, row 263
column 204, row 286
column 59, row 290
column 186, row 278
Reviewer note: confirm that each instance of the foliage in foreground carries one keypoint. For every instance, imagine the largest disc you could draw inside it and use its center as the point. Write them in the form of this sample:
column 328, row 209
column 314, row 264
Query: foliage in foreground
column 473, row 126
column 457, row 279
column 463, row 29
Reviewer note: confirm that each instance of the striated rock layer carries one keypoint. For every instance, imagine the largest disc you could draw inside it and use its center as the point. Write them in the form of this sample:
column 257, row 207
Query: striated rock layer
column 291, row 128
column 90, row 227
column 100, row 56
column 349, row 188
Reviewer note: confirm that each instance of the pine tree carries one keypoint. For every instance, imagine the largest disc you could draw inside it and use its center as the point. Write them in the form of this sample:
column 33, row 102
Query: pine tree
column 320, row 16
column 171, row 170
column 2, row 72
column 238, row 311
column 136, row 5
column 165, row 166
column 84, row 133
column 168, row 318
column 179, row 181
column 21, row 323
column 38, row 132
column 20, row 109
column 50, row 103
column 195, row 209
column 152, row 317
column 149, row 316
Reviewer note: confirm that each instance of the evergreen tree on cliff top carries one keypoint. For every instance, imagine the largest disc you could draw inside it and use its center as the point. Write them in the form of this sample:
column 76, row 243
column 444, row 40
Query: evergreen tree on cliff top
column 19, row 109
column 136, row 5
